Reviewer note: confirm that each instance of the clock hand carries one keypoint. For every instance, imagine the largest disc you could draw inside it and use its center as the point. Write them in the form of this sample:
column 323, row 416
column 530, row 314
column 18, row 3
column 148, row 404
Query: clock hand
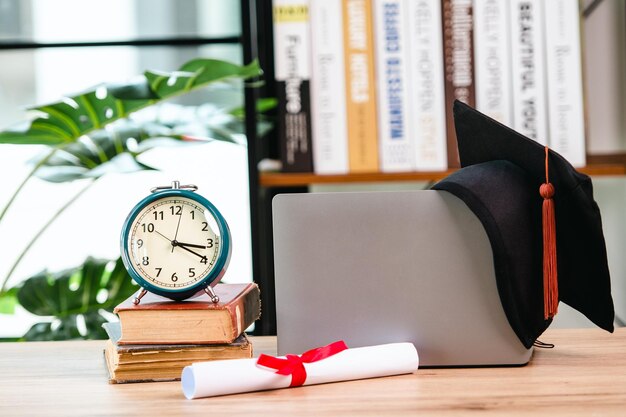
column 168, row 239
column 191, row 245
column 177, row 227
column 175, row 243
column 181, row 244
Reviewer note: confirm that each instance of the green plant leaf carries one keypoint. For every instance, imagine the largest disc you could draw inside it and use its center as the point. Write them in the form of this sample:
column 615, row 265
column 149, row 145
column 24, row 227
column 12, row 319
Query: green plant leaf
column 8, row 301
column 197, row 73
column 118, row 147
column 68, row 119
column 96, row 284
column 68, row 328
column 263, row 105
column 75, row 299
column 114, row 149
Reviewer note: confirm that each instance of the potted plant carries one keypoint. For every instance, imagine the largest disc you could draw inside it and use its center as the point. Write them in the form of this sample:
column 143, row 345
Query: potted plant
column 88, row 136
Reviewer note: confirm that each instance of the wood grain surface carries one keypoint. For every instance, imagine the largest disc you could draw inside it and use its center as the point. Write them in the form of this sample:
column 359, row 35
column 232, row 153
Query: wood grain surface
column 585, row 374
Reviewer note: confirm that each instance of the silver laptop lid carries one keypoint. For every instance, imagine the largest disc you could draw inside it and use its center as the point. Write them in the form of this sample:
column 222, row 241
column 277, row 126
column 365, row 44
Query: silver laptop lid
column 381, row 267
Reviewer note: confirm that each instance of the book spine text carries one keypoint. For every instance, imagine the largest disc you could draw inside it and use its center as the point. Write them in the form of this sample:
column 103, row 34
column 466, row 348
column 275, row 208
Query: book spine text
column 360, row 86
column 458, row 64
column 395, row 146
column 493, row 60
column 426, row 85
column 565, row 84
column 292, row 72
column 528, row 70
column 328, row 93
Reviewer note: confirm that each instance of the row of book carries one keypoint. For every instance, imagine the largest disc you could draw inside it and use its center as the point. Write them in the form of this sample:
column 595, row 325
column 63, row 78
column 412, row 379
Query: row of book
column 368, row 85
column 154, row 340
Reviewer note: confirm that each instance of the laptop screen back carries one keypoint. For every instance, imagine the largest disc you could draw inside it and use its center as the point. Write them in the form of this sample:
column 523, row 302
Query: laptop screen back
column 381, row 267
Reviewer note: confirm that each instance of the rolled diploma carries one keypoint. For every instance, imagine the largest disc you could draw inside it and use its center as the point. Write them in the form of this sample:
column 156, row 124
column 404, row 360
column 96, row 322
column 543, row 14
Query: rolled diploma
column 208, row 379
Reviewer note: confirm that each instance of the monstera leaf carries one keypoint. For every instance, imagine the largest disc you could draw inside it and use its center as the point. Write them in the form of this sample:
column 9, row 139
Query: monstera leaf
column 66, row 120
column 117, row 147
column 114, row 149
column 75, row 299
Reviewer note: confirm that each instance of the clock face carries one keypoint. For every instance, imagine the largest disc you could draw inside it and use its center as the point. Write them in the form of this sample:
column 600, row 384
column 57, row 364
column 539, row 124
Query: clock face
column 173, row 243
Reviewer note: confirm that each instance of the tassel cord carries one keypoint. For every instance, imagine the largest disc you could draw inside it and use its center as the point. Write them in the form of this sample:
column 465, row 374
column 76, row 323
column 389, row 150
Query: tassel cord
column 550, row 275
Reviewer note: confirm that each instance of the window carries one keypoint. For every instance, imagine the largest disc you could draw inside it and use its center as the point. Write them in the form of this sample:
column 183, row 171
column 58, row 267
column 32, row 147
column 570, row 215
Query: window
column 41, row 62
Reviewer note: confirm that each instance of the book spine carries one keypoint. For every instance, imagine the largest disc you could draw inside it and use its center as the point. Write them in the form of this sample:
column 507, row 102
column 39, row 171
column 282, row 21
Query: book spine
column 360, row 85
column 458, row 65
column 565, row 84
column 250, row 309
column 493, row 60
column 426, row 84
column 328, row 102
column 292, row 72
column 394, row 143
column 528, row 70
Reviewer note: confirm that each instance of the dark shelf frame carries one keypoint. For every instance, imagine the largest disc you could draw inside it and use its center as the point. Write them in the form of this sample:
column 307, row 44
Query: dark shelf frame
column 165, row 41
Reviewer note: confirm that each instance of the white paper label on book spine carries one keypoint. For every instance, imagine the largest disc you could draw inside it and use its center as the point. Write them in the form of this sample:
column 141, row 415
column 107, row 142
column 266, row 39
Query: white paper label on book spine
column 528, row 70
column 565, row 84
column 426, row 87
column 492, row 52
column 396, row 150
column 291, row 21
column 328, row 86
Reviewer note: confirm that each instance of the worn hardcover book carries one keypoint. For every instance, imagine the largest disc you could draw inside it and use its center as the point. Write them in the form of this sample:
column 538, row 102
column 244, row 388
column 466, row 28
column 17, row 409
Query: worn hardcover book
column 492, row 53
column 566, row 120
column 528, row 70
column 390, row 41
column 162, row 321
column 328, row 89
column 360, row 85
column 458, row 59
column 140, row 363
column 426, row 90
column 292, row 64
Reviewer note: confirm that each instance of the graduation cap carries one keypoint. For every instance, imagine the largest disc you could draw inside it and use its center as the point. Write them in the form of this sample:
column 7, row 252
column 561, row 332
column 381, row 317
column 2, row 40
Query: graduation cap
column 542, row 222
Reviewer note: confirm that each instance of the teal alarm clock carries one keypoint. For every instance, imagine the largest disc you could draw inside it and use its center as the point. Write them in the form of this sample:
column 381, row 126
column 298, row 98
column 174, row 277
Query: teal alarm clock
column 175, row 243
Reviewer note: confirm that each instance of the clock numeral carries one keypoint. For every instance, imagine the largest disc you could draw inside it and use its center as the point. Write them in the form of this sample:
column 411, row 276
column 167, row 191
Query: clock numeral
column 205, row 227
column 147, row 227
column 158, row 215
column 145, row 260
column 174, row 277
column 176, row 210
column 158, row 271
column 204, row 260
column 209, row 243
column 193, row 214
column 139, row 243
column 192, row 272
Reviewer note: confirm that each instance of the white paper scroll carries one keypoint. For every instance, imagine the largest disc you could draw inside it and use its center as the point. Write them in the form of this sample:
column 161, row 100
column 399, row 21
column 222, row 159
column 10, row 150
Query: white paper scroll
column 208, row 379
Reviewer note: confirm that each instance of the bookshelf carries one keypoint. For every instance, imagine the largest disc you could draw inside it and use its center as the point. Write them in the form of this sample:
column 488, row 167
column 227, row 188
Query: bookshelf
column 258, row 35
column 279, row 179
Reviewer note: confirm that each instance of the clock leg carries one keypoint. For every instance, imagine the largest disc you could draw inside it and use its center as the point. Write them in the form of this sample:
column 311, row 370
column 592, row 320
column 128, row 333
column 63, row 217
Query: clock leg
column 214, row 297
column 140, row 296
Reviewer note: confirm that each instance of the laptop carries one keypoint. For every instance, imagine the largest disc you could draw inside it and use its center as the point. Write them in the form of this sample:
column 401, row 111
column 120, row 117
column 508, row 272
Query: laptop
column 372, row 268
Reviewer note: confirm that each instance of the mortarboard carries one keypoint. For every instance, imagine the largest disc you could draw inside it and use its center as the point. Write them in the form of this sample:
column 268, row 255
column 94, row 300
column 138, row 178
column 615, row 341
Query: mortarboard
column 500, row 182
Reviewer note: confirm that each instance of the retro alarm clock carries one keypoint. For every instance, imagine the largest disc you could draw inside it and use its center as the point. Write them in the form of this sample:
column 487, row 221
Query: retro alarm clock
column 176, row 244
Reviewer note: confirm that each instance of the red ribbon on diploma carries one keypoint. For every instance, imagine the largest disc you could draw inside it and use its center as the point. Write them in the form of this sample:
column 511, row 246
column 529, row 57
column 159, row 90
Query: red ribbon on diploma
column 294, row 365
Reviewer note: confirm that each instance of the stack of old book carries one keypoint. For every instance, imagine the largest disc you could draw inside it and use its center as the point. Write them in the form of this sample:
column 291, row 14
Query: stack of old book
column 156, row 339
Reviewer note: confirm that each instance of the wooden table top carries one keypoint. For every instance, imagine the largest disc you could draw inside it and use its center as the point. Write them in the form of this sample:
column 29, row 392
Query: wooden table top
column 585, row 374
